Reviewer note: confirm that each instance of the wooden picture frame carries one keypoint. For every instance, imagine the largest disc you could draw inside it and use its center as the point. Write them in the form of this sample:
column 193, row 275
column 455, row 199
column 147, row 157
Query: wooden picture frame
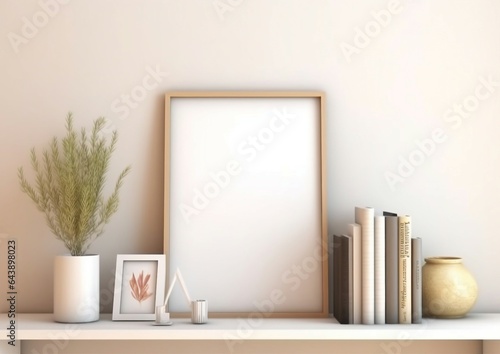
column 245, row 201
column 139, row 286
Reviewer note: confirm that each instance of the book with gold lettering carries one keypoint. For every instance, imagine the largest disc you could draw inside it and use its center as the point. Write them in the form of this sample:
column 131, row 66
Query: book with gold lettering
column 404, row 254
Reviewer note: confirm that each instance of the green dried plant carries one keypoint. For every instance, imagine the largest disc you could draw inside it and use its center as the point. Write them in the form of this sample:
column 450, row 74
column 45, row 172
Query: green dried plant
column 69, row 180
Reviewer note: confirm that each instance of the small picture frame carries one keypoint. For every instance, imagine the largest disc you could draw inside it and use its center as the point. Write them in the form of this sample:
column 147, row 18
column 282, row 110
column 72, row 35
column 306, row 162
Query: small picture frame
column 139, row 286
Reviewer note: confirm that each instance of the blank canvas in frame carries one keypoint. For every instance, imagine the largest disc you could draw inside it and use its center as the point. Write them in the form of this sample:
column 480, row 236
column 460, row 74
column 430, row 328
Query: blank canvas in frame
column 245, row 210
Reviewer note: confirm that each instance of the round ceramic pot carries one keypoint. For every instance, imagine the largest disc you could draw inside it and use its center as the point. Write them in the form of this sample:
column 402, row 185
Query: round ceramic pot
column 76, row 288
column 448, row 289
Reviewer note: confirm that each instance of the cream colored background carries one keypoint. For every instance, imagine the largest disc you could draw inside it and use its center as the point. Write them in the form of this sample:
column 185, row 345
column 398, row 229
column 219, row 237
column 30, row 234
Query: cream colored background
column 395, row 91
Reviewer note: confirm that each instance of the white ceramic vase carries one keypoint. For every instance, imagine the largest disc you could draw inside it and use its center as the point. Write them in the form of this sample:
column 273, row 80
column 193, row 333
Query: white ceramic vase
column 76, row 288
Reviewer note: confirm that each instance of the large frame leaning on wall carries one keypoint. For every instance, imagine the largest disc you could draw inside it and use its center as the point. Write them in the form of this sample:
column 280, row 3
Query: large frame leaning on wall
column 245, row 202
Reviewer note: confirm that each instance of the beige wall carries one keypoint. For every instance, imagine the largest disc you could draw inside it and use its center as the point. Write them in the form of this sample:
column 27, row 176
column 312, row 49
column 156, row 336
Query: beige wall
column 384, row 93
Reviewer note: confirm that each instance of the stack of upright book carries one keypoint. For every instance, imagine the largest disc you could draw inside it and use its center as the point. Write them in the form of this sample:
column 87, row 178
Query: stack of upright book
column 377, row 270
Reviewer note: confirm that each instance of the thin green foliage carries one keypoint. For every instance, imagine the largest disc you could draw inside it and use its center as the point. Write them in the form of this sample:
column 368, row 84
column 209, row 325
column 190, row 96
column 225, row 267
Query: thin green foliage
column 70, row 176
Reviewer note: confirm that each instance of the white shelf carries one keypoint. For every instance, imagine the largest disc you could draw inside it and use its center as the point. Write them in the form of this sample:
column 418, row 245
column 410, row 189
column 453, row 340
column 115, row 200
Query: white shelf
column 42, row 327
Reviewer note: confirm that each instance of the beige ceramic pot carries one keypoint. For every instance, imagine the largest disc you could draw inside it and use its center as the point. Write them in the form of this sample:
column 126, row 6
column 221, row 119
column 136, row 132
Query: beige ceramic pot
column 448, row 289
